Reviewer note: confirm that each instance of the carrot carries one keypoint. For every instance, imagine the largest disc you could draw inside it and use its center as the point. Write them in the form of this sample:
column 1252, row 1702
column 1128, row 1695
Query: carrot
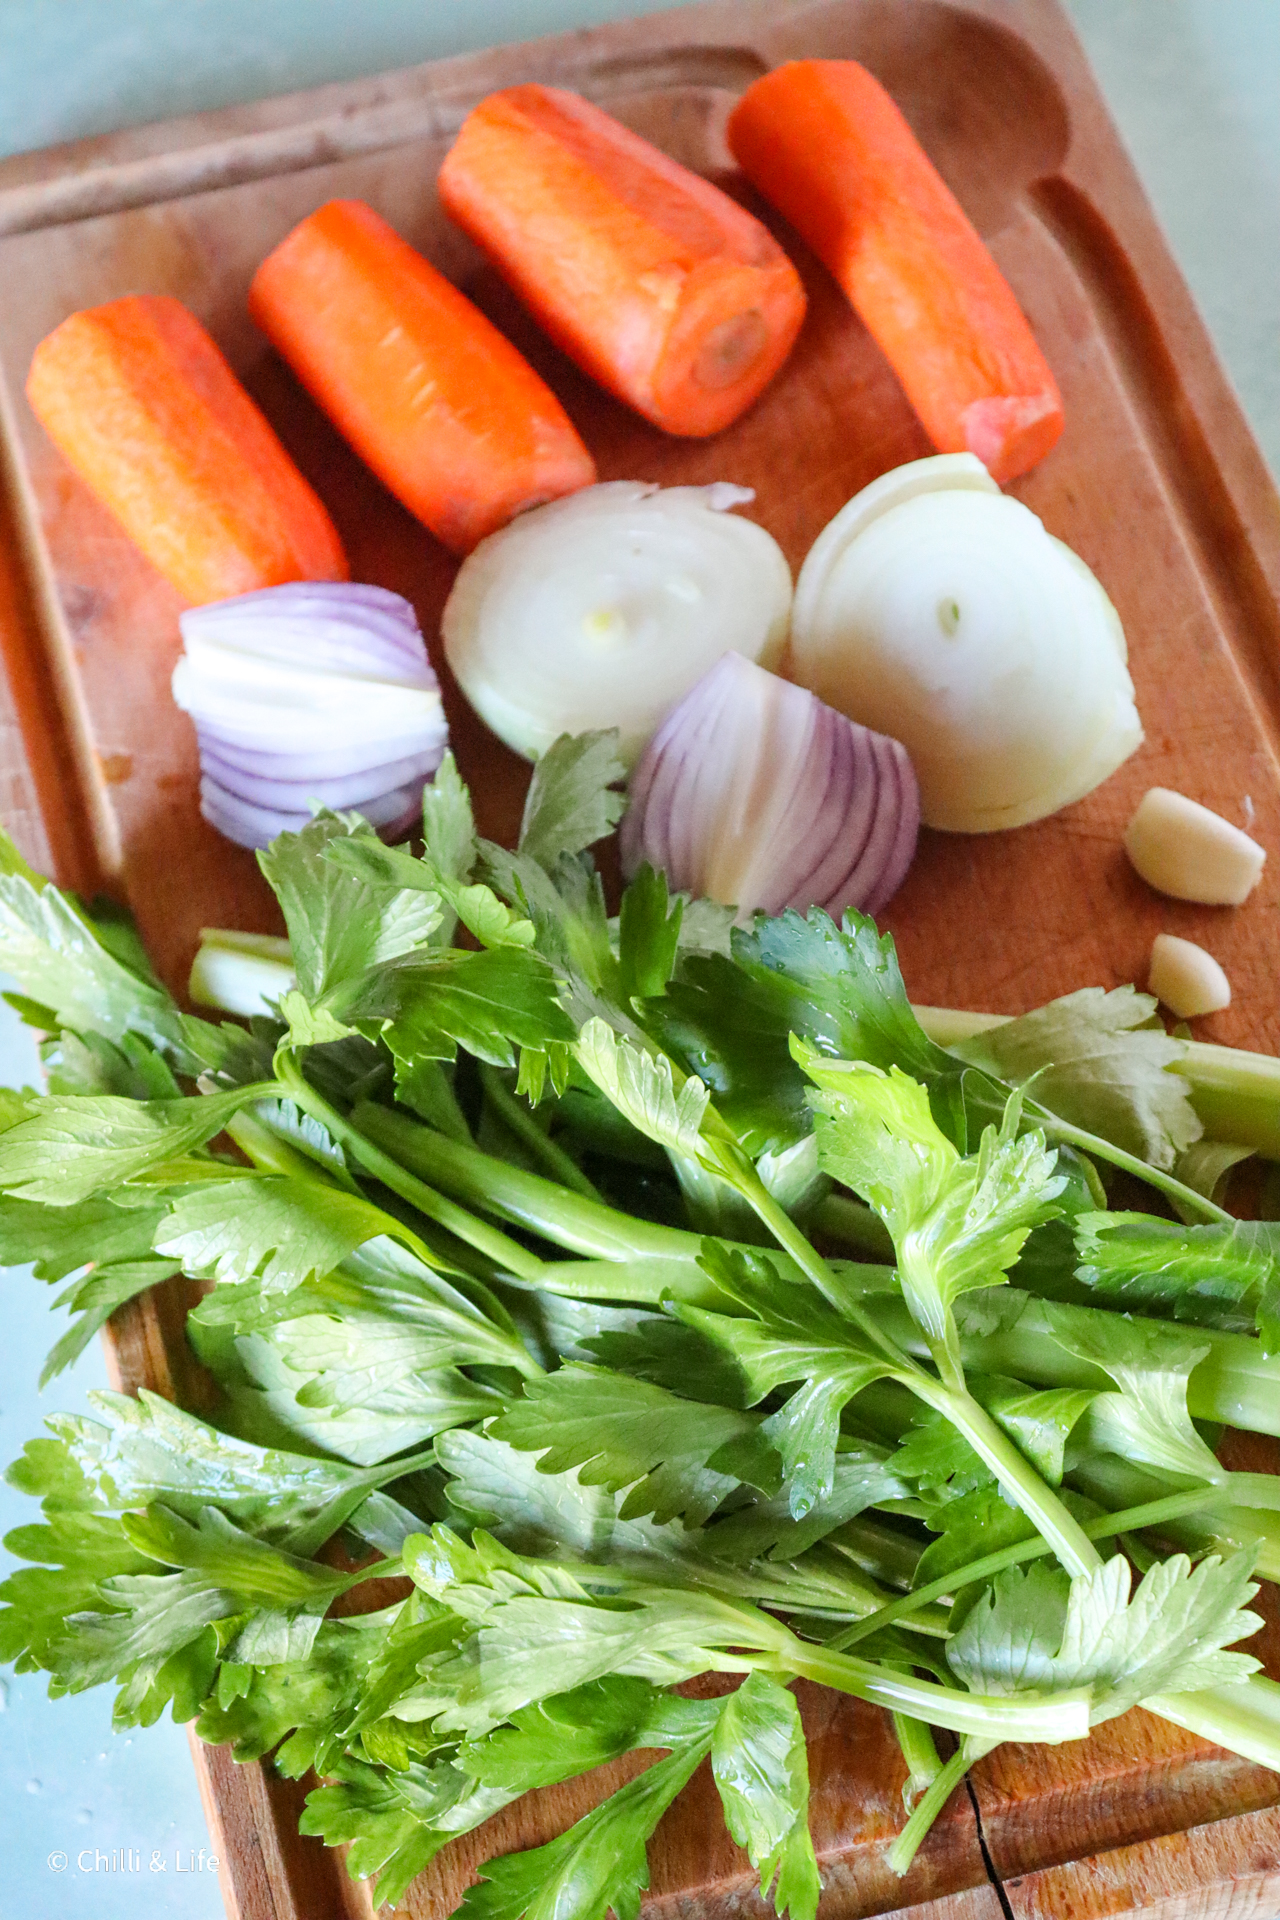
column 824, row 142
column 658, row 285
column 142, row 404
column 449, row 415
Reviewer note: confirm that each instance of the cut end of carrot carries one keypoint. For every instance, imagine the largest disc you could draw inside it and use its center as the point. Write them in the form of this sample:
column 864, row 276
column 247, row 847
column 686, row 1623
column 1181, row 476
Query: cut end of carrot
column 675, row 298
column 1011, row 434
column 144, row 407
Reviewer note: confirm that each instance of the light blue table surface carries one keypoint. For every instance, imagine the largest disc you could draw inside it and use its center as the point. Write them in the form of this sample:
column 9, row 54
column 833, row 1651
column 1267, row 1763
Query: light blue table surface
column 1195, row 88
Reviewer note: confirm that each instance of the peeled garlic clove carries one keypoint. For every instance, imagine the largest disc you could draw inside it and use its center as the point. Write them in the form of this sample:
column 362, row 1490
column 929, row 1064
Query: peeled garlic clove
column 1185, row 850
column 1187, row 979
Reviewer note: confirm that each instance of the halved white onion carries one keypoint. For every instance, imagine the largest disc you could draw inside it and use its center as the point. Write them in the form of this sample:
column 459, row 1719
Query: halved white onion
column 314, row 694
column 603, row 609
column 936, row 609
column 754, row 793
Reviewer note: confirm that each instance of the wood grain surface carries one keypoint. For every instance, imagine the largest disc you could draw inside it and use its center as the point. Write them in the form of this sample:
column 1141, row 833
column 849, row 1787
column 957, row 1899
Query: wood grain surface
column 1156, row 483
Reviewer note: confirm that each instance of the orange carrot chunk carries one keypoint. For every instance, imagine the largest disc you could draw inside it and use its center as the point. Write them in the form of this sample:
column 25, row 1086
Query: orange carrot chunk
column 824, row 142
column 658, row 285
column 142, row 404
column 449, row 415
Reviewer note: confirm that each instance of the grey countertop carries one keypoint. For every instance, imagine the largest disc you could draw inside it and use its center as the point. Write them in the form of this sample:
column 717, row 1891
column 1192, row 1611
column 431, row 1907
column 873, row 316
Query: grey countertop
column 1194, row 86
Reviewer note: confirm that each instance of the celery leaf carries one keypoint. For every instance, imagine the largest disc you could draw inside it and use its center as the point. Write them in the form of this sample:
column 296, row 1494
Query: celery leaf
column 761, row 1768
column 1037, row 1630
column 570, row 804
column 623, row 1433
column 1101, row 1060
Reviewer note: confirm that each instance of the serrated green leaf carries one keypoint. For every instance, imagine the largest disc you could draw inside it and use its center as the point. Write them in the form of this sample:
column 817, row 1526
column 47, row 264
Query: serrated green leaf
column 490, row 1002
column 539, row 1631
column 599, row 1866
column 1222, row 1275
column 495, row 1486
column 1036, row 1630
column 837, row 988
column 573, row 1732
column 500, row 1489
column 52, row 951
column 340, row 924
column 93, row 1300
column 665, row 1352
column 278, row 1229
column 396, row 1822
column 862, row 1478
column 70, row 1149
column 229, row 1556
column 789, row 1335
column 74, row 1552
column 448, row 828
column 1101, row 1060
column 62, row 1240
column 761, row 1769
column 569, row 805
column 310, row 1026
column 649, row 924
column 641, row 1087
column 476, row 906
column 409, row 1409
column 957, row 1222
column 151, row 1616
column 146, row 1450
column 89, row 1063
column 1148, row 1419
column 623, row 1433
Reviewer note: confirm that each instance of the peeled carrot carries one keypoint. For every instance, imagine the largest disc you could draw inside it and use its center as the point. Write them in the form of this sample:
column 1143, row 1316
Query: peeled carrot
column 449, row 415
column 142, row 404
column 824, row 142
column 658, row 285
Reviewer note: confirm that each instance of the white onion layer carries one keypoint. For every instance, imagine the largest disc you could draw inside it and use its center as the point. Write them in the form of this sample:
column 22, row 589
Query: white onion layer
column 315, row 694
column 754, row 793
column 603, row 609
column 935, row 608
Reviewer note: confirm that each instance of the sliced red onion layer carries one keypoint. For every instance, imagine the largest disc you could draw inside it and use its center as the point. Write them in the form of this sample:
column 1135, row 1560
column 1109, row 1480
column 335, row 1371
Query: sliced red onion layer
column 754, row 793
column 312, row 694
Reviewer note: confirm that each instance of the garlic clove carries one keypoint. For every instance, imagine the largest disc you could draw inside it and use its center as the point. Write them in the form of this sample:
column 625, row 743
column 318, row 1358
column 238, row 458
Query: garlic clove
column 1187, row 979
column 1191, row 853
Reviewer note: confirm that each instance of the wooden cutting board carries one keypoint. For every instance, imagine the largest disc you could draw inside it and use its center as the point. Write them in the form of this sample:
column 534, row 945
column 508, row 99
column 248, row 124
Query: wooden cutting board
column 1156, row 482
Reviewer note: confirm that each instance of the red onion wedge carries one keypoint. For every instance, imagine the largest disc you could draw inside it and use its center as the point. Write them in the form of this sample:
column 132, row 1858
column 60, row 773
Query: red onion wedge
column 754, row 793
column 312, row 694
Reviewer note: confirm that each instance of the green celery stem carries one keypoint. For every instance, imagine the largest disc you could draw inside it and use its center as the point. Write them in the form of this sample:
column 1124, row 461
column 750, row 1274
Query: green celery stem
column 515, row 1115
column 1105, row 1527
column 915, row 1737
column 1016, row 1474
column 808, row 1259
column 477, row 1179
column 508, row 1254
column 1046, row 1717
column 929, row 1806
column 1245, row 1719
column 1235, row 1385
